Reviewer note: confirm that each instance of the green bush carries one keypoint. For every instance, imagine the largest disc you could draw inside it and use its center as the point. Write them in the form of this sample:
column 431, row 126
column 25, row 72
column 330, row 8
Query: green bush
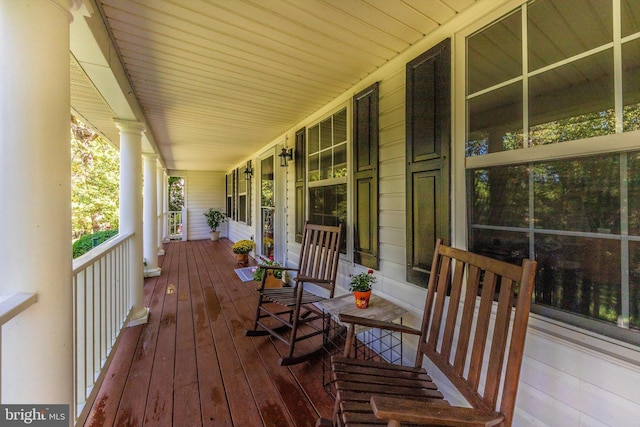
column 89, row 241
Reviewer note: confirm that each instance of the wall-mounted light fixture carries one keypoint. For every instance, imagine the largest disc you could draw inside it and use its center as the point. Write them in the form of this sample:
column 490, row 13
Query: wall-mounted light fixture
column 248, row 171
column 284, row 155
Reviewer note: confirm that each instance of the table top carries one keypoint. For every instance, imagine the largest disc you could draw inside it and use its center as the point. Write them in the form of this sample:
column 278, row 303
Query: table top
column 379, row 309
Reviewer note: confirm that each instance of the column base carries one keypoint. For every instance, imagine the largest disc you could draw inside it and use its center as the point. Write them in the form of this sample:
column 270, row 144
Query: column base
column 160, row 252
column 140, row 318
column 152, row 271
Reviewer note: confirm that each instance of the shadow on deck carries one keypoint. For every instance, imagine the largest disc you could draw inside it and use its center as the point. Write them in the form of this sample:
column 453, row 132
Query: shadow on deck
column 191, row 364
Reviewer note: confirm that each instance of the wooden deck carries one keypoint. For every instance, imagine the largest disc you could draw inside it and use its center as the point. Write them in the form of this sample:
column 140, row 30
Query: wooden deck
column 191, row 364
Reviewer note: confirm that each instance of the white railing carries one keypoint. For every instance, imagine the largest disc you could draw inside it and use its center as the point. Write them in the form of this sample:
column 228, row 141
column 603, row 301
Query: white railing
column 102, row 305
column 10, row 307
column 175, row 225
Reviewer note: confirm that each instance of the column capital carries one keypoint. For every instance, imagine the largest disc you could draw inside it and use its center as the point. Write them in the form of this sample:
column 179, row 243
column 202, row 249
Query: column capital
column 130, row 126
column 67, row 6
column 150, row 156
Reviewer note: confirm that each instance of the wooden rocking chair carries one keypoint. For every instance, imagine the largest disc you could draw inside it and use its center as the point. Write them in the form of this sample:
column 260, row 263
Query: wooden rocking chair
column 289, row 308
column 377, row 393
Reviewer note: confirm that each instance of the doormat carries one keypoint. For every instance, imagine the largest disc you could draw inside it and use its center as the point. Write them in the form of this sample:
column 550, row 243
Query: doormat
column 245, row 274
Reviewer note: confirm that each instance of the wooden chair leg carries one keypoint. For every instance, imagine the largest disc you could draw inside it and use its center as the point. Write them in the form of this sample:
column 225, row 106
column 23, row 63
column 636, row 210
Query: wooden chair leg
column 255, row 332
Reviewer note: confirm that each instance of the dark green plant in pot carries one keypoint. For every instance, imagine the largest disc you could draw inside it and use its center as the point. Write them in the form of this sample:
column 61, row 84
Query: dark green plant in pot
column 215, row 217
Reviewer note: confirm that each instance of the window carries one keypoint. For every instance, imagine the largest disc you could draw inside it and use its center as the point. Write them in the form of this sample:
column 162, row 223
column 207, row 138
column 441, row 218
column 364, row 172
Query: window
column 565, row 83
column 242, row 195
column 327, row 171
column 230, row 195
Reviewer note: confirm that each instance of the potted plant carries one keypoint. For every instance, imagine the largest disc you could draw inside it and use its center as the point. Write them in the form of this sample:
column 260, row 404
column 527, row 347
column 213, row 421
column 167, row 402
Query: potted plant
column 242, row 248
column 274, row 277
column 360, row 285
column 215, row 217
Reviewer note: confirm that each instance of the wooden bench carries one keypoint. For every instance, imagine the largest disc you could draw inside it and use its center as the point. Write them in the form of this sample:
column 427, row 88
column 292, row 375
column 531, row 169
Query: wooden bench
column 482, row 336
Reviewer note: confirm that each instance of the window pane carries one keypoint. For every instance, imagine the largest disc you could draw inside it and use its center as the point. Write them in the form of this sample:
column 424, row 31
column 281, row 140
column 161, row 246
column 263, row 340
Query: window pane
column 325, row 134
column 578, row 195
column 314, row 139
column 340, row 161
column 630, row 84
column 495, row 121
column 634, row 285
column 633, row 189
column 579, row 275
column 574, row 101
column 495, row 54
column 325, row 164
column 560, row 29
column 630, row 17
column 340, row 126
column 507, row 246
column 314, row 167
column 266, row 181
column 328, row 206
column 242, row 208
column 499, row 196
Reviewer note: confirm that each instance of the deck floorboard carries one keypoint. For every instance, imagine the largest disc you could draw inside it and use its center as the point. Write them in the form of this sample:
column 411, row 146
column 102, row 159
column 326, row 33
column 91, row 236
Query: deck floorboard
column 192, row 365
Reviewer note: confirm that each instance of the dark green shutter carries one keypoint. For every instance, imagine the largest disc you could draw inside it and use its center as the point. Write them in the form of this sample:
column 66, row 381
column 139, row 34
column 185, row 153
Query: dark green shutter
column 300, row 195
column 428, row 133
column 365, row 174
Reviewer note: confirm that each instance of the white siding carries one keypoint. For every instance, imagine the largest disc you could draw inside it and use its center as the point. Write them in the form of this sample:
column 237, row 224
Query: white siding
column 204, row 190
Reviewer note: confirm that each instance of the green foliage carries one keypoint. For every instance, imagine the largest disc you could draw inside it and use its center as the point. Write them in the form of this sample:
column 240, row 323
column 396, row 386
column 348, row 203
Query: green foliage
column 95, row 181
column 259, row 271
column 90, row 241
column 215, row 217
column 362, row 282
column 176, row 193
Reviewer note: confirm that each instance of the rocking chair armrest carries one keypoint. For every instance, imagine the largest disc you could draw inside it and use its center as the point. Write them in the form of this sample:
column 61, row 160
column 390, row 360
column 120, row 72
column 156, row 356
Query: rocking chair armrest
column 306, row 279
column 276, row 267
column 432, row 413
column 380, row 324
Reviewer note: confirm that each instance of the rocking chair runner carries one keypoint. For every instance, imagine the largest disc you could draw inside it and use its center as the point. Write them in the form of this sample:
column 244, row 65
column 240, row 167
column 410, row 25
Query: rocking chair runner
column 379, row 393
column 283, row 311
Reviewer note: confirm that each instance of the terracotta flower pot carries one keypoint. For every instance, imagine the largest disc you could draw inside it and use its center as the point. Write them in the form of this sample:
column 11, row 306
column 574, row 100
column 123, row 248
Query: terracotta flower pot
column 362, row 298
column 272, row 281
column 242, row 259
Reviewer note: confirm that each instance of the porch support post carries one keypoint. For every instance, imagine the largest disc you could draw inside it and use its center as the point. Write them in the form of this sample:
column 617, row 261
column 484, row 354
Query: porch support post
column 35, row 189
column 160, row 179
column 150, row 215
column 131, row 212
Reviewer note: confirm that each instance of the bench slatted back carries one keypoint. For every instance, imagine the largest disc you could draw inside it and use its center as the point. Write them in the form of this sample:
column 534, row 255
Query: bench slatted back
column 485, row 338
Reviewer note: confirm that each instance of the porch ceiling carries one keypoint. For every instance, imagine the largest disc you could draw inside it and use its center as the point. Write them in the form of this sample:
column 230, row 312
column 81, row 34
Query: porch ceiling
column 218, row 79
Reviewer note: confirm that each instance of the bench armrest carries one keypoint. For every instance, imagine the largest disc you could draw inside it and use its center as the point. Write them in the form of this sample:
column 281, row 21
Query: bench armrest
column 423, row 412
column 380, row 324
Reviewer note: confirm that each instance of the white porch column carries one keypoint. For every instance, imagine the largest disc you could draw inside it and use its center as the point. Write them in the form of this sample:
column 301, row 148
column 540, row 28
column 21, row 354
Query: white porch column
column 131, row 211
column 35, row 189
column 150, row 216
column 160, row 180
column 165, row 208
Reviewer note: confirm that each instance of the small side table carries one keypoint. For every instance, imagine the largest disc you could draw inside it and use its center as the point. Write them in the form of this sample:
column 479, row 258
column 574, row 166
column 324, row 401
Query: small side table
column 369, row 344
